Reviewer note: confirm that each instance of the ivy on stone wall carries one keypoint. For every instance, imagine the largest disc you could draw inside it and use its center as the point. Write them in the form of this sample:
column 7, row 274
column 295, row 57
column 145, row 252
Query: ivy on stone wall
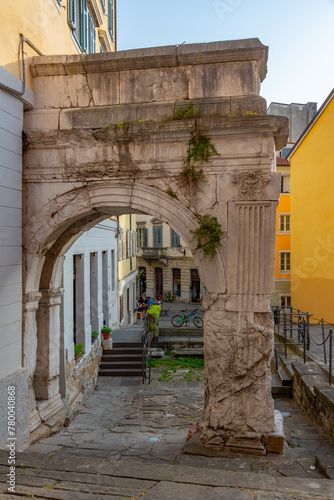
column 208, row 235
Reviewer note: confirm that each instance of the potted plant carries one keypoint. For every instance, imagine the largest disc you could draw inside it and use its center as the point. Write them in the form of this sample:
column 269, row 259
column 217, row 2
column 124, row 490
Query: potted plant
column 152, row 323
column 78, row 351
column 94, row 335
column 106, row 331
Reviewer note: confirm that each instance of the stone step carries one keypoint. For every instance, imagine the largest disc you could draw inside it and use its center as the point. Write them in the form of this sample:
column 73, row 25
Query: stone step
column 278, row 390
column 284, row 378
column 124, row 350
column 119, row 345
column 122, row 357
column 121, row 364
column 120, row 372
column 179, row 332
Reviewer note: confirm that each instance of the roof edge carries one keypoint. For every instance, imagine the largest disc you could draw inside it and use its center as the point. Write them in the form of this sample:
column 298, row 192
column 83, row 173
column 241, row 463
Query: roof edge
column 311, row 124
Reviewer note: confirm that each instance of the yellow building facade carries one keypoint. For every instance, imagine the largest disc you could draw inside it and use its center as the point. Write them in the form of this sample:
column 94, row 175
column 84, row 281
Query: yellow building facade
column 55, row 27
column 282, row 295
column 312, row 220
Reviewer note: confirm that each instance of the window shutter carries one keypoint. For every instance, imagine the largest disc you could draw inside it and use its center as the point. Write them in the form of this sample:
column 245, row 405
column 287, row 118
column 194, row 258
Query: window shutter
column 84, row 25
column 145, row 237
column 71, row 13
column 119, row 249
column 129, row 243
column 123, row 245
column 111, row 19
column 157, row 237
column 92, row 36
column 175, row 239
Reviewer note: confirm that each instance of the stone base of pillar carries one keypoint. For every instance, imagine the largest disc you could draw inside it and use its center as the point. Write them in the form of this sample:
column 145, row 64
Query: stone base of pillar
column 49, row 408
column 35, row 420
column 250, row 443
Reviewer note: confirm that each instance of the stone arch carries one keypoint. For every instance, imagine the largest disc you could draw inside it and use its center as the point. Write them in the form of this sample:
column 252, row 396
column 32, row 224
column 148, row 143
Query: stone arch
column 80, row 209
column 85, row 167
column 69, row 215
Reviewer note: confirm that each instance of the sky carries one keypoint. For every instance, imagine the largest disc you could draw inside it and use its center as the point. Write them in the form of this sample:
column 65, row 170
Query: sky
column 299, row 33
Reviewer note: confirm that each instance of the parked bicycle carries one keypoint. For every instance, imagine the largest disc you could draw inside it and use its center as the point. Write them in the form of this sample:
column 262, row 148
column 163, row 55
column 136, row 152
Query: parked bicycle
column 179, row 320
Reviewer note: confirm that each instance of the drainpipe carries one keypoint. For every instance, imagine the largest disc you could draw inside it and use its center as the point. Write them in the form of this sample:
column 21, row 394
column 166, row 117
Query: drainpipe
column 21, row 92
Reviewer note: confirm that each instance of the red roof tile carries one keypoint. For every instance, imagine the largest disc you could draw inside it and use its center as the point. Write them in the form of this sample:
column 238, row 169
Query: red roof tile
column 280, row 161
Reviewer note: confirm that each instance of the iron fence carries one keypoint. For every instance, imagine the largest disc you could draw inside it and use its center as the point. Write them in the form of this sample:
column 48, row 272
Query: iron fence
column 296, row 329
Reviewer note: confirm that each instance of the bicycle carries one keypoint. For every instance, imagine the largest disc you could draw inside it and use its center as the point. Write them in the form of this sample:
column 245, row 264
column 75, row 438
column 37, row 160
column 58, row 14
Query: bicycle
column 179, row 320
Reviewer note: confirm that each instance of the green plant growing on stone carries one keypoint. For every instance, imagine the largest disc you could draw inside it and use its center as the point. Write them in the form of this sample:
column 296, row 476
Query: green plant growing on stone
column 94, row 335
column 78, row 350
column 185, row 113
column 208, row 235
column 200, row 150
column 171, row 193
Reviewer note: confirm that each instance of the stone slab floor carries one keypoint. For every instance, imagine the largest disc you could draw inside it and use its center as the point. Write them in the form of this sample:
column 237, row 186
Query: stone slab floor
column 125, row 420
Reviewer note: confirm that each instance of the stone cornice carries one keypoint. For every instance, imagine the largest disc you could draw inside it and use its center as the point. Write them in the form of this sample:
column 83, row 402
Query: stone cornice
column 170, row 56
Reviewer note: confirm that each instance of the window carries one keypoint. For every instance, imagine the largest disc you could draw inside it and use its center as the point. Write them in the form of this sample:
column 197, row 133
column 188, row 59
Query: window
column 157, row 237
column 174, row 239
column 111, row 19
column 285, row 184
column 103, row 5
column 284, row 262
column 82, row 25
column 142, row 237
column 91, row 36
column 113, row 271
column 121, row 312
column 285, row 300
column 284, row 223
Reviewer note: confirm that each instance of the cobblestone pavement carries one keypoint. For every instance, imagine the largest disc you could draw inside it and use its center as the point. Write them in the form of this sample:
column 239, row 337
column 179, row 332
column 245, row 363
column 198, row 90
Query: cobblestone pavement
column 128, row 421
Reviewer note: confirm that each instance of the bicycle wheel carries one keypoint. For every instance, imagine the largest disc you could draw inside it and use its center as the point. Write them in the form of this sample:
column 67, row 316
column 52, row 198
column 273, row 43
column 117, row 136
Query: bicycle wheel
column 198, row 322
column 177, row 320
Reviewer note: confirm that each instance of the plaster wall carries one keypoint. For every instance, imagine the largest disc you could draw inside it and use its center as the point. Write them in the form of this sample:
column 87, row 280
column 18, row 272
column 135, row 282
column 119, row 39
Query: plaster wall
column 11, row 124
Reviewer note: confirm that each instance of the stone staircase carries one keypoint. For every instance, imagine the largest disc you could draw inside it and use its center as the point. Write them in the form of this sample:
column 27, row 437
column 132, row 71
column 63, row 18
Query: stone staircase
column 281, row 381
column 124, row 360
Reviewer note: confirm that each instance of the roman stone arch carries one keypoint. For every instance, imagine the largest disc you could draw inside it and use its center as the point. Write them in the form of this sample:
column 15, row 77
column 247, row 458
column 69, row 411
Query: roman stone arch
column 103, row 140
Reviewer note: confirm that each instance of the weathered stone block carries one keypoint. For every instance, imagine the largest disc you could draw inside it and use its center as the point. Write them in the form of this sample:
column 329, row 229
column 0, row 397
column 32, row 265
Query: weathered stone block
column 218, row 80
column 275, row 440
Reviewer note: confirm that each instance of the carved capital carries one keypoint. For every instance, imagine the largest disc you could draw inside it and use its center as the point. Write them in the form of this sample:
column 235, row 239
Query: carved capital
column 31, row 300
column 250, row 185
column 51, row 297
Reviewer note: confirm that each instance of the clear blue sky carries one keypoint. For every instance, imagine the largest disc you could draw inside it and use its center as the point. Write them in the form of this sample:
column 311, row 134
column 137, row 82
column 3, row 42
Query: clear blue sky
column 299, row 33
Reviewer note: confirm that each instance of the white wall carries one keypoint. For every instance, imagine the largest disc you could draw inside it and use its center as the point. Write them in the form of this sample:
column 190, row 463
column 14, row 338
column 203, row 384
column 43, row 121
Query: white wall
column 99, row 239
column 11, row 123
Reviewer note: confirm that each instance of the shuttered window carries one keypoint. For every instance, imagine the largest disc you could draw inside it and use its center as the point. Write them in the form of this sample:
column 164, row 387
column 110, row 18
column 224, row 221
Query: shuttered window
column 111, row 19
column 174, row 239
column 157, row 237
column 92, row 36
column 82, row 25
column 142, row 237
column 72, row 13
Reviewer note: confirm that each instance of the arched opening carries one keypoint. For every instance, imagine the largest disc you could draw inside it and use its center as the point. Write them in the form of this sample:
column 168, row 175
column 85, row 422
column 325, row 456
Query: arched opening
column 44, row 268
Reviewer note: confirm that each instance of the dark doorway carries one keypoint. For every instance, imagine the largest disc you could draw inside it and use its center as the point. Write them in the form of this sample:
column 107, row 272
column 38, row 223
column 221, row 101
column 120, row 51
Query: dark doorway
column 158, row 281
column 177, row 282
column 142, row 281
column 195, row 286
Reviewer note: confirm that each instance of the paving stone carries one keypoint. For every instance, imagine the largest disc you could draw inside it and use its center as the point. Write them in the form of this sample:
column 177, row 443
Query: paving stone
column 177, row 491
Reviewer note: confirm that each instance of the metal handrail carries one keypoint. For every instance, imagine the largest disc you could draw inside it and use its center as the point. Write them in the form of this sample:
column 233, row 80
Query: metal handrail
column 303, row 329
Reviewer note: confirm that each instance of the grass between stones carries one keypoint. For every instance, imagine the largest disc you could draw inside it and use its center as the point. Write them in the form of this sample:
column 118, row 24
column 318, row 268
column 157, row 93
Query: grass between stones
column 171, row 368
